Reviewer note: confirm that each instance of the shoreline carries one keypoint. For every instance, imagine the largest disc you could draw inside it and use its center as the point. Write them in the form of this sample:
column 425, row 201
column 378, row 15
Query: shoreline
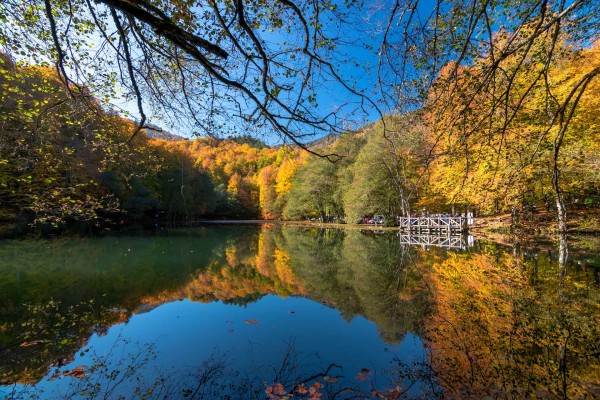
column 486, row 229
column 543, row 226
column 539, row 226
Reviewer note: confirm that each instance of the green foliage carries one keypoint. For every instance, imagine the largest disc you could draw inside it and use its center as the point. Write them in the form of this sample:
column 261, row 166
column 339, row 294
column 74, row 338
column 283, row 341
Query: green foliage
column 378, row 173
column 65, row 160
column 313, row 192
column 249, row 140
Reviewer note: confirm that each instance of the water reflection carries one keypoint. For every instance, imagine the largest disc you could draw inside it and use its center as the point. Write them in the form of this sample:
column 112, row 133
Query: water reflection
column 449, row 241
column 489, row 320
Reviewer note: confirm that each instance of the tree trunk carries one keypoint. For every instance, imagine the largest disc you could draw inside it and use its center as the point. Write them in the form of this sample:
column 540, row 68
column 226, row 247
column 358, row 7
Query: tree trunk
column 563, row 251
column 562, row 213
column 560, row 200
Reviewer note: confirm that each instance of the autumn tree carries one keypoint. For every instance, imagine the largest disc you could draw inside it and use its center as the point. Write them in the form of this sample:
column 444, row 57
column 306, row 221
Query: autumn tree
column 496, row 166
column 424, row 49
column 66, row 163
column 387, row 169
column 42, row 131
column 313, row 192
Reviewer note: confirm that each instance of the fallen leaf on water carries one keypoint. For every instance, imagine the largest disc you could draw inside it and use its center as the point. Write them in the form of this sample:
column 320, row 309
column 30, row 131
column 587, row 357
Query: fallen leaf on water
column 389, row 395
column 329, row 379
column 301, row 389
column 363, row 375
column 77, row 372
column 279, row 389
column 313, row 391
column 276, row 391
column 252, row 322
column 32, row 343
column 53, row 377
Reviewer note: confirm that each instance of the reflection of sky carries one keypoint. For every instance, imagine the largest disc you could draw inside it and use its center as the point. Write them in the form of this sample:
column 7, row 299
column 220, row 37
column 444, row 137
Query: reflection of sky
column 186, row 333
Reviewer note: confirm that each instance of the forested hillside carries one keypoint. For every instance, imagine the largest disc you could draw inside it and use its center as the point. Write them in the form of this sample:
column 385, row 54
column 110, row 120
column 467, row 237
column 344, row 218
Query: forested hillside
column 66, row 160
column 487, row 145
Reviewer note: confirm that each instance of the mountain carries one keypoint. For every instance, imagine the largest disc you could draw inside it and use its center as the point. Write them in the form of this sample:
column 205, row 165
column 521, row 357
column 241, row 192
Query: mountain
column 155, row 132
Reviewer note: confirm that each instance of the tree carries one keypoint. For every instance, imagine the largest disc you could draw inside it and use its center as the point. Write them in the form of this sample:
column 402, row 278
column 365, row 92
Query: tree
column 313, row 192
column 516, row 165
column 44, row 138
column 387, row 168
column 425, row 47
column 228, row 64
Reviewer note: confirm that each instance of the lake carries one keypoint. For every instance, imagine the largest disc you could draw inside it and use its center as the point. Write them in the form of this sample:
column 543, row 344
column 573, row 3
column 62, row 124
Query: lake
column 270, row 311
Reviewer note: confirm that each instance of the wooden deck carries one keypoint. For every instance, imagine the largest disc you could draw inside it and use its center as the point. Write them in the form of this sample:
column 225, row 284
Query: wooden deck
column 435, row 224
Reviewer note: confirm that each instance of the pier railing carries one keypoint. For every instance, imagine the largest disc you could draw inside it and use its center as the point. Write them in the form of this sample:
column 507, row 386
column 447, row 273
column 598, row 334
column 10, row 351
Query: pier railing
column 431, row 224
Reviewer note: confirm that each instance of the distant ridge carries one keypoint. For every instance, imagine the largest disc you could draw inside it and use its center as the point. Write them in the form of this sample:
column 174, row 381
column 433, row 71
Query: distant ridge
column 324, row 141
column 156, row 132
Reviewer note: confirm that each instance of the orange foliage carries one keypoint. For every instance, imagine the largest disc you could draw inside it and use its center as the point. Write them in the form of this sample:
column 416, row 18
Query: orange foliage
column 245, row 270
column 257, row 178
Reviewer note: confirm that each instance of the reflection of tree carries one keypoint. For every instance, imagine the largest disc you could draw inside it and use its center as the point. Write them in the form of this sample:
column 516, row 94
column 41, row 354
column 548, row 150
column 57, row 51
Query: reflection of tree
column 357, row 273
column 48, row 335
column 249, row 267
column 497, row 323
column 361, row 274
column 55, row 293
column 495, row 333
column 116, row 374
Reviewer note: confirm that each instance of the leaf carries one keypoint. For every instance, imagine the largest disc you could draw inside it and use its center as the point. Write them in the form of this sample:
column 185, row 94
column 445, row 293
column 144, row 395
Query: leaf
column 276, row 392
column 389, row 395
column 301, row 389
column 78, row 372
column 54, row 377
column 363, row 375
column 252, row 322
column 329, row 379
column 32, row 343
column 278, row 389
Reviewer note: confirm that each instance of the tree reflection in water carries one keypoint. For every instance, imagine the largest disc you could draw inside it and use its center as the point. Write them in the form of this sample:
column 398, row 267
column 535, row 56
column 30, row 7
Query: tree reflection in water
column 497, row 321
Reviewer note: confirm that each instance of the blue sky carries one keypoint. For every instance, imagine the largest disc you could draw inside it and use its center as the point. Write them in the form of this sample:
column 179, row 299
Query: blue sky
column 356, row 64
column 355, row 59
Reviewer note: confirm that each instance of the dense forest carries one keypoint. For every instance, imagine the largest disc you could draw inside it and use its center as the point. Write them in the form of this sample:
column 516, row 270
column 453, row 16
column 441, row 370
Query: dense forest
column 65, row 159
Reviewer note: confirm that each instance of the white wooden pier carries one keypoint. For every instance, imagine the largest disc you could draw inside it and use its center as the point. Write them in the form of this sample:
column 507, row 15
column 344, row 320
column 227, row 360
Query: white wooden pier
column 435, row 224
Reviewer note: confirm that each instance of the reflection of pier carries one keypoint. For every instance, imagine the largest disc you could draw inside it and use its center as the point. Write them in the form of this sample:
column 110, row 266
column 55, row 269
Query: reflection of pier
column 446, row 241
column 435, row 223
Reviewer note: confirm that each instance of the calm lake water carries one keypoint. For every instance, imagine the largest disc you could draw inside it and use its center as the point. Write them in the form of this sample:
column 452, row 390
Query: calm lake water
column 251, row 312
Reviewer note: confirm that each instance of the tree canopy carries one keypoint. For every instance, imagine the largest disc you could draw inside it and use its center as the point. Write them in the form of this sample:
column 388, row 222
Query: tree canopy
column 224, row 66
